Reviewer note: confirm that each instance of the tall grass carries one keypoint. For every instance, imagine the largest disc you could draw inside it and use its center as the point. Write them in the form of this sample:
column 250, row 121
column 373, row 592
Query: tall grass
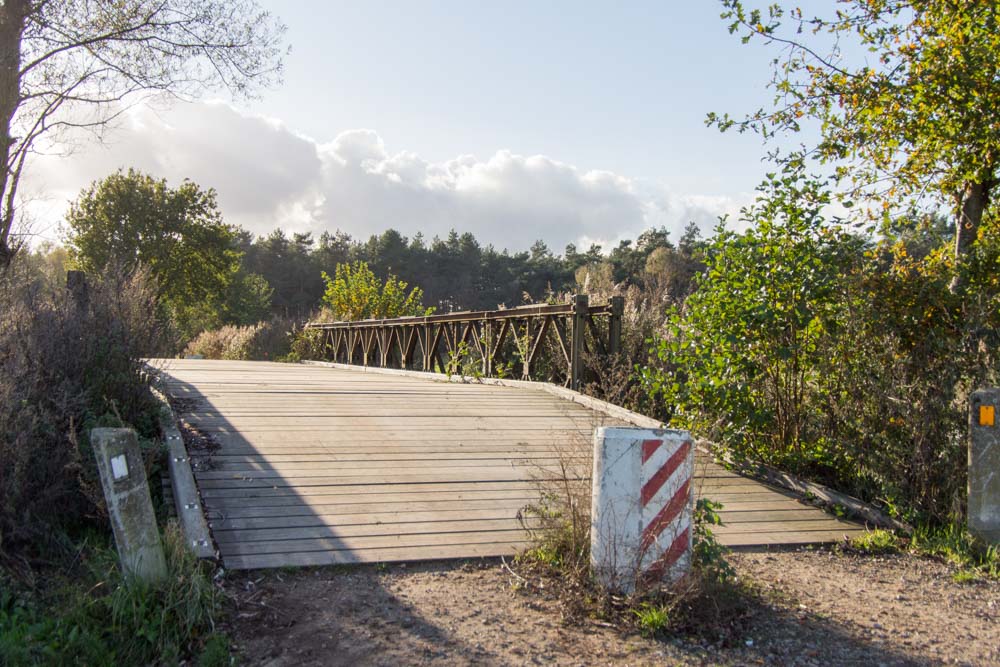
column 97, row 617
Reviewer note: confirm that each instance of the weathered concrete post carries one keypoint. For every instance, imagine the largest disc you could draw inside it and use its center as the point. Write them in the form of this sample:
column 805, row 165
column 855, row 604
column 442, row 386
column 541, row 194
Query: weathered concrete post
column 984, row 465
column 123, row 476
column 641, row 518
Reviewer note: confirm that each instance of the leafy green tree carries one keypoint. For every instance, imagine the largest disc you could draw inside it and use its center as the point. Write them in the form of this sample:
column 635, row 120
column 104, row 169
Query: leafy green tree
column 248, row 299
column 744, row 350
column 355, row 293
column 130, row 219
column 69, row 64
column 912, row 121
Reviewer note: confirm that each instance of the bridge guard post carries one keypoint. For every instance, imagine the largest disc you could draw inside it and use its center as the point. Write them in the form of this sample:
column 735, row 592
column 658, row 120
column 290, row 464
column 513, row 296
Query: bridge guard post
column 615, row 325
column 581, row 304
column 641, row 527
column 984, row 465
column 487, row 348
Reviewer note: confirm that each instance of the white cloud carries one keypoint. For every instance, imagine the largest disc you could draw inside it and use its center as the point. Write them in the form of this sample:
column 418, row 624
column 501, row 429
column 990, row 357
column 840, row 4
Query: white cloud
column 266, row 176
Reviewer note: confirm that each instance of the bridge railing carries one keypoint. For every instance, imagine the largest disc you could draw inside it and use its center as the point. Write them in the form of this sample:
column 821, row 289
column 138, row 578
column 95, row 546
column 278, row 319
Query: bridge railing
column 547, row 342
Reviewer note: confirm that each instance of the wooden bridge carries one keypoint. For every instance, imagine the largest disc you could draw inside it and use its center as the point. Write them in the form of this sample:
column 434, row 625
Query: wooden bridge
column 314, row 465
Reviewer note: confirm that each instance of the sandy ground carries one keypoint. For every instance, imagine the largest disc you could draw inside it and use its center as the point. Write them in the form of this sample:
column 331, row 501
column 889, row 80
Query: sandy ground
column 817, row 608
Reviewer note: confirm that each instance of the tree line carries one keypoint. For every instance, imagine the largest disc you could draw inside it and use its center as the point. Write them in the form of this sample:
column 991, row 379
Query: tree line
column 212, row 274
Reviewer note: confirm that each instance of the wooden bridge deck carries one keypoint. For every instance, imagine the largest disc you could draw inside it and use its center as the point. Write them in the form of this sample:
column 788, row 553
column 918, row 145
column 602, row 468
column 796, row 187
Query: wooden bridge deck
column 314, row 466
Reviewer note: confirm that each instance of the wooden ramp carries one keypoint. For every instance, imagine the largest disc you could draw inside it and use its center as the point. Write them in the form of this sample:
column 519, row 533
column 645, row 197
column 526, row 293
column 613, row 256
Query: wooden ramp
column 307, row 465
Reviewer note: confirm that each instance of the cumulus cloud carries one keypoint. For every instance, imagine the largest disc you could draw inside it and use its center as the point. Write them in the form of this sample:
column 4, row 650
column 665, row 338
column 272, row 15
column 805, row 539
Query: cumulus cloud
column 266, row 176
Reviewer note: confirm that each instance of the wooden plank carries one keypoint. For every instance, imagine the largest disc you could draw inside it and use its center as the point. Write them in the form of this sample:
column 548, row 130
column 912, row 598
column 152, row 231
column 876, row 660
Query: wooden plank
column 245, row 516
column 399, row 438
column 785, row 538
column 385, row 470
column 820, row 521
column 385, row 490
column 226, row 461
column 293, row 503
column 378, row 555
column 210, row 480
column 773, row 514
column 383, row 466
column 395, row 530
column 373, row 542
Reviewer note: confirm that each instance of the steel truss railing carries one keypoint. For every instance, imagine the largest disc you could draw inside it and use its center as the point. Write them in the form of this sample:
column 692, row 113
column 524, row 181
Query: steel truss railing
column 546, row 342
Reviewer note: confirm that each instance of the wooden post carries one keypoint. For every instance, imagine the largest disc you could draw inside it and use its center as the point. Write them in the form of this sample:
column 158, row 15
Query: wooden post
column 526, row 349
column 487, row 349
column 428, row 353
column 76, row 284
column 581, row 303
column 615, row 325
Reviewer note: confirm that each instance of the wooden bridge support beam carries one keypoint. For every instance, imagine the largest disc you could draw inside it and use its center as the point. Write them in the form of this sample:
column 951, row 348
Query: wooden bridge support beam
column 581, row 303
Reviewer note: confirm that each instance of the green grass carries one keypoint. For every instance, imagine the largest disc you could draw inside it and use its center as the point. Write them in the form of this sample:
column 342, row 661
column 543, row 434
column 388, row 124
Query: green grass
column 96, row 617
column 545, row 554
column 973, row 558
column 964, row 577
column 956, row 545
column 652, row 619
column 877, row 541
column 216, row 652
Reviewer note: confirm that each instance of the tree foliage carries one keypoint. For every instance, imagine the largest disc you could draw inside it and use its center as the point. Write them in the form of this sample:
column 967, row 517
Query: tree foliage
column 454, row 272
column 745, row 345
column 835, row 356
column 905, row 93
column 76, row 64
column 355, row 293
column 130, row 219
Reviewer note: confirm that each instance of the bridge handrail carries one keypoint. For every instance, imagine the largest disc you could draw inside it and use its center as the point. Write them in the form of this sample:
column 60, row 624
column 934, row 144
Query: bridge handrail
column 531, row 310
column 437, row 342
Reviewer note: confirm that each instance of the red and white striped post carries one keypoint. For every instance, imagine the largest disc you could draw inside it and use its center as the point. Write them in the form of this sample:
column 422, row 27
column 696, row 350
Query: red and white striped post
column 641, row 517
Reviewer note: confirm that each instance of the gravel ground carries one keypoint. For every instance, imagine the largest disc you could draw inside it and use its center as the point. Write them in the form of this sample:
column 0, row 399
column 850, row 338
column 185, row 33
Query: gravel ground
column 819, row 607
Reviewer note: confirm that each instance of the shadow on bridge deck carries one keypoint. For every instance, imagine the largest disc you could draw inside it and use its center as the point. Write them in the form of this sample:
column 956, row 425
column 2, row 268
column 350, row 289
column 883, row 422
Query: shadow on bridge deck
column 317, row 466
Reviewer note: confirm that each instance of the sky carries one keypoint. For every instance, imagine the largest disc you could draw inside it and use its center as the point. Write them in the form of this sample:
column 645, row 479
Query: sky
column 569, row 122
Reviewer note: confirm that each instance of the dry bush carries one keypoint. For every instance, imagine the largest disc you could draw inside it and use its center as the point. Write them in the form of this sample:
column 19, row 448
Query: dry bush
column 264, row 341
column 708, row 601
column 559, row 523
column 616, row 378
column 64, row 368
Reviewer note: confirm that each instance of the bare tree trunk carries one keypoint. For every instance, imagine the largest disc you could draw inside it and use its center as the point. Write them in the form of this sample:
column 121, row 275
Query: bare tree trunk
column 12, row 18
column 971, row 205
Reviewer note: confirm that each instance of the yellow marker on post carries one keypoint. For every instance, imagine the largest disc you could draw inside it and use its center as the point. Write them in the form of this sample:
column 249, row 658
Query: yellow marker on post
column 986, row 415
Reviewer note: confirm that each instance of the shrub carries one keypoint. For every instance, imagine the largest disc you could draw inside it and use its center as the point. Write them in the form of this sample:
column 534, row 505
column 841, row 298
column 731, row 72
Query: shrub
column 833, row 356
column 355, row 293
column 307, row 344
column 613, row 378
column 264, row 341
column 63, row 369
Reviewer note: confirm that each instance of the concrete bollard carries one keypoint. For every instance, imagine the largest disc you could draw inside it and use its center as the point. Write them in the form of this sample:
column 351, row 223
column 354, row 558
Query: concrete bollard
column 984, row 465
column 641, row 517
column 123, row 476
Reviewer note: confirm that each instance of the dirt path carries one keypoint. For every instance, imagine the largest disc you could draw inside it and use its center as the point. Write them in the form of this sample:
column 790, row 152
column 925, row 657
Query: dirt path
column 822, row 608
